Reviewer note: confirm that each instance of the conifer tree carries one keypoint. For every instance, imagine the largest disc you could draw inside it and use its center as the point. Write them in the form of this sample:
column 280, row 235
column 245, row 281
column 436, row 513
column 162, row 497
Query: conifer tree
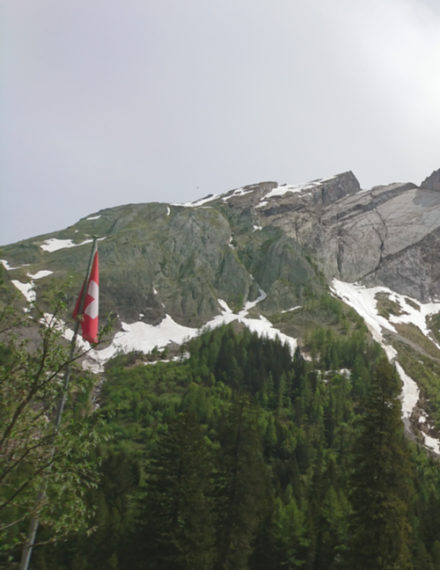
column 290, row 531
column 177, row 529
column 381, row 480
column 241, row 487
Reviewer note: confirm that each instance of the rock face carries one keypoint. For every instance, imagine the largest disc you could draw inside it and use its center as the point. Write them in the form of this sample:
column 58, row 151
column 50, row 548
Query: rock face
column 432, row 182
column 159, row 259
column 388, row 235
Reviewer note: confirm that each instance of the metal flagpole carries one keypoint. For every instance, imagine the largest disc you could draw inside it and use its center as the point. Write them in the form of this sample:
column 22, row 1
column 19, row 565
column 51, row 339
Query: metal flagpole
column 35, row 521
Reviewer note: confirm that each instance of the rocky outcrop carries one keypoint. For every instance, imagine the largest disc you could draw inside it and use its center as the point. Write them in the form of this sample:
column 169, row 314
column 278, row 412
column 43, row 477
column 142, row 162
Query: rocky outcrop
column 381, row 236
column 432, row 182
column 180, row 260
column 333, row 189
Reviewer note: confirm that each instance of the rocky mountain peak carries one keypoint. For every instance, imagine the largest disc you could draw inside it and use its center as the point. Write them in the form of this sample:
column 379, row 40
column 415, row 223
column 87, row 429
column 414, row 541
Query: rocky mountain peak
column 338, row 187
column 432, row 182
column 262, row 235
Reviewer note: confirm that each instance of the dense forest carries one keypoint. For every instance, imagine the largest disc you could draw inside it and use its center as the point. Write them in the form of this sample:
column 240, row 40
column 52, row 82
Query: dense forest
column 237, row 455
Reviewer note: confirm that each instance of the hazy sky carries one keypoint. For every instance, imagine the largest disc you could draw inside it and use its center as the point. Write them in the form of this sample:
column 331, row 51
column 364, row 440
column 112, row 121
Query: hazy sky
column 106, row 102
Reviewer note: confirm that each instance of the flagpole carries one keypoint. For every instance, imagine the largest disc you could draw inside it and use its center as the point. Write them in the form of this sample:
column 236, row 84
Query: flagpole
column 35, row 521
column 73, row 342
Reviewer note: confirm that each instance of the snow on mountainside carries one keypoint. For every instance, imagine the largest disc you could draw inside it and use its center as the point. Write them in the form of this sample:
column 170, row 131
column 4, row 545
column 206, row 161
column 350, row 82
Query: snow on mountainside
column 142, row 337
column 254, row 254
column 364, row 302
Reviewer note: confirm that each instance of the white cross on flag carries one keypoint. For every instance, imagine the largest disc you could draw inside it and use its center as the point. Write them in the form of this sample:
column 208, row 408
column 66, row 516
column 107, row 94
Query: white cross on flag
column 89, row 314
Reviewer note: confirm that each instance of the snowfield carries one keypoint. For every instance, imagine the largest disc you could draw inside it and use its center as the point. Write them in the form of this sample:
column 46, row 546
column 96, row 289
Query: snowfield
column 6, row 265
column 292, row 188
column 197, row 203
column 40, row 274
column 238, row 192
column 363, row 301
column 144, row 337
column 54, row 244
column 27, row 289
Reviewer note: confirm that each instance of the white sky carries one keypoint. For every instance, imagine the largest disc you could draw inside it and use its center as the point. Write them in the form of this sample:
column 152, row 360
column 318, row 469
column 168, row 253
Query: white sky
column 105, row 102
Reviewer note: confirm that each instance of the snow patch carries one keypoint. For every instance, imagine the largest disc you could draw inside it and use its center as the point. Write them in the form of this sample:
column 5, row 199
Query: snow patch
column 90, row 218
column 237, row 192
column 251, row 304
column 200, row 202
column 363, row 301
column 223, row 304
column 135, row 336
column 284, row 189
column 292, row 309
column 27, row 289
column 262, row 326
column 40, row 274
column 168, row 211
column 50, row 321
column 144, row 337
column 6, row 265
column 432, row 443
column 410, row 390
column 262, row 203
column 413, row 315
column 54, row 244
column 293, row 189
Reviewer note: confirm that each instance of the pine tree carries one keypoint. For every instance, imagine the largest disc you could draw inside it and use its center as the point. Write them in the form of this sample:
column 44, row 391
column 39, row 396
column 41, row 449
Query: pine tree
column 290, row 531
column 381, row 480
column 177, row 529
column 241, row 487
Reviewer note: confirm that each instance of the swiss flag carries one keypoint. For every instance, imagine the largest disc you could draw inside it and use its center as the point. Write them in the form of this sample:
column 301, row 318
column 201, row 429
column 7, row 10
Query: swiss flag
column 89, row 314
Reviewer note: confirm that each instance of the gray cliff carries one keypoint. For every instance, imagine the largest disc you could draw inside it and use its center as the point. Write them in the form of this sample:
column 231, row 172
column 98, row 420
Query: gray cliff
column 389, row 235
column 289, row 241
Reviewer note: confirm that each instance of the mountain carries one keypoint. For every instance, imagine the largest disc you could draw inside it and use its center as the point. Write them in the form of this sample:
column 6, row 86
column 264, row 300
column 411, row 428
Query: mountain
column 243, row 413
column 258, row 255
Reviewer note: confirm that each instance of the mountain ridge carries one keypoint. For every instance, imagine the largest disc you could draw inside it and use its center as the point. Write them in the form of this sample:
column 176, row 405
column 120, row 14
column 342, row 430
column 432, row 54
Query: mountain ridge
column 351, row 234
column 171, row 269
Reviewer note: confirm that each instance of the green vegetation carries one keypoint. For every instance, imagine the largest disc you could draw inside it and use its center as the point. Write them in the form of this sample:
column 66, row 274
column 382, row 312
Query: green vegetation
column 387, row 307
column 45, row 471
column 427, row 372
column 434, row 326
column 415, row 337
column 381, row 485
column 242, row 457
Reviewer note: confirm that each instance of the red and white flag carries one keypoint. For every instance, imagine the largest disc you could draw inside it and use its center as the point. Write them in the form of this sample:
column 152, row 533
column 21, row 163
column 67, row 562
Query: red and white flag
column 90, row 310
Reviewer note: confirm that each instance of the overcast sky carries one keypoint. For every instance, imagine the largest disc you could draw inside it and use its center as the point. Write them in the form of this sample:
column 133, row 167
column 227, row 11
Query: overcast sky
column 106, row 102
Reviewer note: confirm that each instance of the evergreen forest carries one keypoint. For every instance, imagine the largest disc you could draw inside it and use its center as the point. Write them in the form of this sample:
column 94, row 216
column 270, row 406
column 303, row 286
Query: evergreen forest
column 238, row 455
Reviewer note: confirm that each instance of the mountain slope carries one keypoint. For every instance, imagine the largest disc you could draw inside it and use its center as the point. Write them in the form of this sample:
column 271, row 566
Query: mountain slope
column 265, row 255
